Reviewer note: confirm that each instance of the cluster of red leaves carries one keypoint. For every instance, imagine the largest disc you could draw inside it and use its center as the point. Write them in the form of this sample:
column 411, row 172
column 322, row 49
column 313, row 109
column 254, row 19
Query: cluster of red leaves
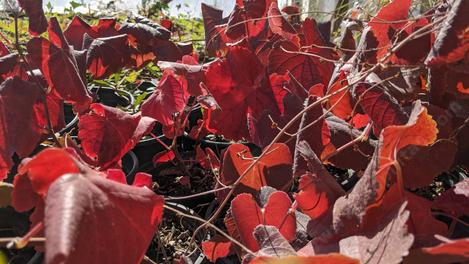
column 269, row 72
column 286, row 63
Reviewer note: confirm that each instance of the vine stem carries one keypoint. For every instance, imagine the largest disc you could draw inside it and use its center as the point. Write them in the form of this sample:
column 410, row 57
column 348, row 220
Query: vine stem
column 211, row 226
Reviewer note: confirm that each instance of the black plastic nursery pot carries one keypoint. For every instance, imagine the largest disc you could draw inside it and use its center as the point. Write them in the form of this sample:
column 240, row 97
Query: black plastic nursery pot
column 175, row 221
column 112, row 97
column 130, row 166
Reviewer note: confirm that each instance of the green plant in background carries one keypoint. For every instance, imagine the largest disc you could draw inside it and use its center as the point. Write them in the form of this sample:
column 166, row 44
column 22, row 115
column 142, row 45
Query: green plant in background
column 154, row 8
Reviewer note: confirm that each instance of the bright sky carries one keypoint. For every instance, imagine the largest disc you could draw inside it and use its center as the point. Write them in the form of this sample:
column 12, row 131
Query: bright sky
column 190, row 7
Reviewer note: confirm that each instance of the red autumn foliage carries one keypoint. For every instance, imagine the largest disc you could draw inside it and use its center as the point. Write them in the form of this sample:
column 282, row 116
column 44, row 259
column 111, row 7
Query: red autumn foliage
column 108, row 133
column 319, row 186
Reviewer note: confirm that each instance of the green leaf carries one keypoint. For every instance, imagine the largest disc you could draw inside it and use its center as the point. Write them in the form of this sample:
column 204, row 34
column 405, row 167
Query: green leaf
column 140, row 99
column 75, row 5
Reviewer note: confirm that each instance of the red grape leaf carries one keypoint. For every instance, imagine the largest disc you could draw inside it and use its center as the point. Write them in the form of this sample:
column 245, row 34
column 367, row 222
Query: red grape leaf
column 46, row 167
column 107, row 133
column 76, row 29
column 68, row 85
column 168, row 100
column 380, row 106
column 217, row 247
column 311, row 33
column 239, row 85
column 276, row 212
column 306, row 67
column 341, row 133
column 110, row 222
column 144, row 36
column 34, row 177
column 340, row 104
column 279, row 25
column 273, row 169
column 452, row 42
column 384, row 25
column 213, row 18
column 190, row 70
column 19, row 131
column 368, row 193
column 37, row 19
column 316, row 198
column 107, row 55
column 389, row 245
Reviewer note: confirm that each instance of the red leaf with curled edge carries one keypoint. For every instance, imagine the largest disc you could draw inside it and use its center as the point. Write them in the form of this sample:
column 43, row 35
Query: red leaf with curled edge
column 76, row 29
column 218, row 247
column 340, row 104
column 388, row 245
column 144, row 36
column 311, row 34
column 213, row 18
column 19, row 132
column 55, row 56
column 107, row 55
column 368, row 193
column 341, row 133
column 68, row 85
column 447, row 74
column 450, row 251
column 452, row 42
column 106, row 215
column 380, row 106
column 307, row 68
column 408, row 54
column 168, row 100
column 273, row 169
column 316, row 197
column 107, row 133
column 44, row 168
column 384, row 25
column 455, row 200
column 239, row 85
column 37, row 19
column 34, row 177
column 190, row 70
column 279, row 25
column 276, row 212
